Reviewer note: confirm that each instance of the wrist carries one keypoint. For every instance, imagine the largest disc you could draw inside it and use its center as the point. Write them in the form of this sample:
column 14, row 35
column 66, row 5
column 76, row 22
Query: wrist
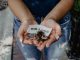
column 28, row 21
column 47, row 17
column 51, row 20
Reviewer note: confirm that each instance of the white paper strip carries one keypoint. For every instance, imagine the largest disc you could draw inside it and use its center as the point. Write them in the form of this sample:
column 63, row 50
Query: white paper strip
column 33, row 29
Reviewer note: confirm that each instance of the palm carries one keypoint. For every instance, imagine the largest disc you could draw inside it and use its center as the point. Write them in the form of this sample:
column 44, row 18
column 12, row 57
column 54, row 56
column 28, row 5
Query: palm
column 56, row 30
column 22, row 32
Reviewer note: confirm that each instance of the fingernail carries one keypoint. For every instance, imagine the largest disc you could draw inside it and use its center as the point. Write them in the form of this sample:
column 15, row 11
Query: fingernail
column 21, row 40
column 47, row 46
column 56, row 36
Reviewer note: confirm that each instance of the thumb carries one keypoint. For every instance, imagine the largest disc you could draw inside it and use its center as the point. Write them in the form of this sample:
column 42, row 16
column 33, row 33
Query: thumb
column 49, row 43
column 40, row 48
column 20, row 37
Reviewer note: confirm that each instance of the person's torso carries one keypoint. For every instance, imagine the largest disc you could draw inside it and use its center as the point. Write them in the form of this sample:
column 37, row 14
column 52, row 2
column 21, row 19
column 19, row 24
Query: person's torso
column 40, row 7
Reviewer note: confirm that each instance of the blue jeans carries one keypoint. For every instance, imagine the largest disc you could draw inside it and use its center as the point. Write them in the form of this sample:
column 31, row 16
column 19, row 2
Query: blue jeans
column 54, row 52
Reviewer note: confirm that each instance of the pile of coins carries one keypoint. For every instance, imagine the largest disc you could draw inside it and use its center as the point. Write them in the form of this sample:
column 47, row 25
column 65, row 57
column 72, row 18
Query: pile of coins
column 39, row 35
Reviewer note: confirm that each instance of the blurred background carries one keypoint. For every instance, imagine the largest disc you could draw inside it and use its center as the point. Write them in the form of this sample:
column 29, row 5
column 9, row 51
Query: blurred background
column 6, row 30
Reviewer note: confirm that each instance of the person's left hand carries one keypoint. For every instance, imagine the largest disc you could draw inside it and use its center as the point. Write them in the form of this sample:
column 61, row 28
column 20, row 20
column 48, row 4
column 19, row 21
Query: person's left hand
column 54, row 36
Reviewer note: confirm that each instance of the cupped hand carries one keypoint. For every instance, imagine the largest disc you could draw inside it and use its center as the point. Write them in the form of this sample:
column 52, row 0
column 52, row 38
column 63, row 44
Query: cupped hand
column 54, row 36
column 22, row 32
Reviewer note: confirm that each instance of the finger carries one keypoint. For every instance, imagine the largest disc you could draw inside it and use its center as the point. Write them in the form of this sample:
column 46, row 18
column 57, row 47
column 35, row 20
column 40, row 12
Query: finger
column 49, row 42
column 58, row 33
column 25, row 34
column 58, row 30
column 20, row 36
column 56, row 36
column 52, row 35
column 42, row 46
column 27, row 42
column 30, row 41
column 39, row 44
column 35, row 42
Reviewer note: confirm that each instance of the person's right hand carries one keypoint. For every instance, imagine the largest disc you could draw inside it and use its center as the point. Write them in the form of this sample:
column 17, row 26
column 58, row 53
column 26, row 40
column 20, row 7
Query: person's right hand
column 22, row 32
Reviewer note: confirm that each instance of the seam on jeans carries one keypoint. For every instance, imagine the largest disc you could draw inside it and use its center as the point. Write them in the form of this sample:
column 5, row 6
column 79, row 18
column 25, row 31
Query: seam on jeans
column 70, row 35
column 65, row 22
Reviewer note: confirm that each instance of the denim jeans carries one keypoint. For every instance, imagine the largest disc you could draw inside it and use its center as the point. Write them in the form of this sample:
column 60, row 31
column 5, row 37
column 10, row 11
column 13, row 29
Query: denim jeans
column 56, row 49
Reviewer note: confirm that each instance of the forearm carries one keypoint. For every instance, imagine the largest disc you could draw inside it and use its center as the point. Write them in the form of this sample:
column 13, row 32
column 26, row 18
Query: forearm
column 20, row 10
column 60, row 10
